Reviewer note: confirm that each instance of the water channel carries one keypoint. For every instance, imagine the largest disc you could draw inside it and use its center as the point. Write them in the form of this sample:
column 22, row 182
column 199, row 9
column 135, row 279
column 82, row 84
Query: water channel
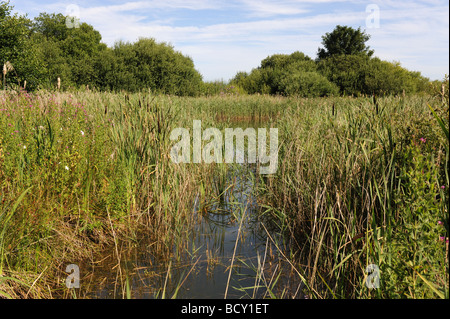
column 230, row 236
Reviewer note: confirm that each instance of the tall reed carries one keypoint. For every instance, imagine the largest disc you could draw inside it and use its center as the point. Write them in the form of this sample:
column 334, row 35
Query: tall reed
column 361, row 187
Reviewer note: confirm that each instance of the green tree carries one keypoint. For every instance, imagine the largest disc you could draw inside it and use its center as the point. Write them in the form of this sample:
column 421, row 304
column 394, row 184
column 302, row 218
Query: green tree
column 344, row 40
column 346, row 71
column 17, row 48
column 156, row 66
column 286, row 74
column 383, row 77
column 281, row 61
column 360, row 74
column 70, row 53
column 310, row 84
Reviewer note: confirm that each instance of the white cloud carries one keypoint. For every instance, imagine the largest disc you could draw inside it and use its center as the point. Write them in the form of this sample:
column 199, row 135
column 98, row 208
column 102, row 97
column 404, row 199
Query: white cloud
column 258, row 8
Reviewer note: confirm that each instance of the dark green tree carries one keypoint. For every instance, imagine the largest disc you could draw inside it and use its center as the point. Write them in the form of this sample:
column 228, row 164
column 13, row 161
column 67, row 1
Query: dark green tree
column 286, row 74
column 344, row 40
column 17, row 48
column 69, row 53
column 359, row 74
column 346, row 71
column 383, row 77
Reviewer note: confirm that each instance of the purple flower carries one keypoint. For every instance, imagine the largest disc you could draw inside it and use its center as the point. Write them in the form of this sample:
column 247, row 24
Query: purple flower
column 441, row 238
column 439, row 222
column 443, row 186
column 423, row 140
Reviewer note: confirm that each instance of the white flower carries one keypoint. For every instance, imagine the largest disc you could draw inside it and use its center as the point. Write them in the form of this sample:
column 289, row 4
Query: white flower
column 82, row 133
column 66, row 168
column 24, row 147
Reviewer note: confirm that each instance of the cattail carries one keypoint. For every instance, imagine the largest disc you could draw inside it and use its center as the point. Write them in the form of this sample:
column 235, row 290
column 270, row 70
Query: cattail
column 7, row 67
column 376, row 103
column 59, row 83
column 4, row 75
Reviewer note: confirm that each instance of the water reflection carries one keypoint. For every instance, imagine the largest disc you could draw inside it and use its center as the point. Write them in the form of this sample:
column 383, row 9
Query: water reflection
column 229, row 231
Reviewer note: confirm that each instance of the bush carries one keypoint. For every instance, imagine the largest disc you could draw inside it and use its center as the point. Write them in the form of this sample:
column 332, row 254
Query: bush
column 346, row 71
column 309, row 84
column 360, row 74
column 293, row 74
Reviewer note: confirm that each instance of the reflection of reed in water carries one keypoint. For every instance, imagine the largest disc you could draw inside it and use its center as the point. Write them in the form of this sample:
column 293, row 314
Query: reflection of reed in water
column 227, row 250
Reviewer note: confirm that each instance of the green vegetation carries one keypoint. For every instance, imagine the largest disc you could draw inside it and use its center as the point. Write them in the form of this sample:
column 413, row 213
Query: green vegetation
column 344, row 41
column 294, row 74
column 44, row 49
column 367, row 185
column 359, row 182
column 362, row 173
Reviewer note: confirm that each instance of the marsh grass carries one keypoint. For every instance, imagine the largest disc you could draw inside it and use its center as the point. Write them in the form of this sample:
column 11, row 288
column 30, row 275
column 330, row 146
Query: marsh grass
column 364, row 187
column 359, row 182
column 81, row 172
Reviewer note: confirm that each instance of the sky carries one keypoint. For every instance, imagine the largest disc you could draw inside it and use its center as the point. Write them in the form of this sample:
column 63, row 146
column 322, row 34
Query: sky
column 224, row 37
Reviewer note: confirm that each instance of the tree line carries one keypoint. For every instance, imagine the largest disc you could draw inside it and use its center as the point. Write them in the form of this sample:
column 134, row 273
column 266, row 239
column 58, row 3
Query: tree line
column 41, row 50
column 345, row 65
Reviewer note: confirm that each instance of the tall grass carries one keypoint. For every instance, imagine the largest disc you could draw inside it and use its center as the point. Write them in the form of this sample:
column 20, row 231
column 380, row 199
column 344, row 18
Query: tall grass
column 362, row 187
column 359, row 182
column 95, row 166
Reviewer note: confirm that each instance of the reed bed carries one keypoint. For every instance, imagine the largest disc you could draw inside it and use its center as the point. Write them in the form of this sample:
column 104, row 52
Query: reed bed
column 360, row 182
column 84, row 171
column 365, row 182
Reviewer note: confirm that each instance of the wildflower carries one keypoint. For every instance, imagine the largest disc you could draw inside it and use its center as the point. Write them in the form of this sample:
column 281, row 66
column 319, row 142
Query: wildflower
column 423, row 140
column 443, row 186
column 24, row 147
column 439, row 222
column 442, row 238
column 66, row 168
column 82, row 133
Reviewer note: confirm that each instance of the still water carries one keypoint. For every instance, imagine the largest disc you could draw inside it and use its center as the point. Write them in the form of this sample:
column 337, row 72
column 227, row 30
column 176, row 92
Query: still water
column 229, row 254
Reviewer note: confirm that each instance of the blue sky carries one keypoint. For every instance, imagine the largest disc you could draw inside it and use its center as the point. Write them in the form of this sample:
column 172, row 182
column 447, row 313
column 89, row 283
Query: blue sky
column 224, row 37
